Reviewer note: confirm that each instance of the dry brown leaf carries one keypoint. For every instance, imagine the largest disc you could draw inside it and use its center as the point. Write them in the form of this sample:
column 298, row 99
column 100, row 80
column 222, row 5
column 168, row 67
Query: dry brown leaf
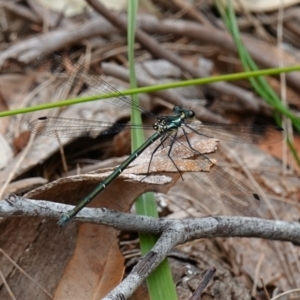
column 96, row 266
column 24, row 185
column 96, row 254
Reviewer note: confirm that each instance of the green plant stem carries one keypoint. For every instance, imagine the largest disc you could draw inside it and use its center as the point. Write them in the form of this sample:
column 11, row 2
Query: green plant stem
column 154, row 88
column 160, row 282
column 260, row 85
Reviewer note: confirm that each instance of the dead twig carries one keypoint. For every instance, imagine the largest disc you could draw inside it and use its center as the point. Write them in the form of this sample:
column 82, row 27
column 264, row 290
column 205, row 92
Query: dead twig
column 206, row 278
column 172, row 232
column 159, row 51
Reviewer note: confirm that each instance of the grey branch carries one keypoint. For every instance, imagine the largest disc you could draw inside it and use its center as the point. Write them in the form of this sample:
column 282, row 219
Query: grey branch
column 172, row 232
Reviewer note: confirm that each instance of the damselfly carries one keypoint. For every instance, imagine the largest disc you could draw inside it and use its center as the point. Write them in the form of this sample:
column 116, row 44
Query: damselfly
column 217, row 182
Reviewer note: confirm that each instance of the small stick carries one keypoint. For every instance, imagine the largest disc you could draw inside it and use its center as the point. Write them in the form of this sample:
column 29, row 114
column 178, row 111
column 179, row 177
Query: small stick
column 204, row 282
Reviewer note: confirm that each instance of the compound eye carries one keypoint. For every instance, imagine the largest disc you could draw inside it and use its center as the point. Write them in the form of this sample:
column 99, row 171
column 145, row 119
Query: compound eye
column 191, row 114
column 155, row 127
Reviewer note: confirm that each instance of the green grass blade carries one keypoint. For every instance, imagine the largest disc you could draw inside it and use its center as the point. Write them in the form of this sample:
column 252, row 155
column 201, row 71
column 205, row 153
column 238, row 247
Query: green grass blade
column 154, row 88
column 259, row 83
column 145, row 204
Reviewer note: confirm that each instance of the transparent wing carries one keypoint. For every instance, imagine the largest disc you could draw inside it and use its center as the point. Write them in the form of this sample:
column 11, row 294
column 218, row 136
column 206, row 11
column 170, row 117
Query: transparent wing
column 224, row 187
column 221, row 185
column 75, row 74
column 238, row 133
column 63, row 127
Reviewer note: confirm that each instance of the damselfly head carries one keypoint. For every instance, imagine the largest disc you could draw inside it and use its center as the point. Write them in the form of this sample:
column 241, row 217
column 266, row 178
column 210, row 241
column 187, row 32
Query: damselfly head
column 189, row 114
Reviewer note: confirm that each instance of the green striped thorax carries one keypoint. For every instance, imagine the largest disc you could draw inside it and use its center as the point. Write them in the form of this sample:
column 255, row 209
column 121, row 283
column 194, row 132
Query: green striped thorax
column 170, row 123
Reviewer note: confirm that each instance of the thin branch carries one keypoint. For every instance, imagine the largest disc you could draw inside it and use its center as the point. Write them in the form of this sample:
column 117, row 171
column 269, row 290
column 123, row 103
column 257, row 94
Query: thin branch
column 208, row 227
column 172, row 232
